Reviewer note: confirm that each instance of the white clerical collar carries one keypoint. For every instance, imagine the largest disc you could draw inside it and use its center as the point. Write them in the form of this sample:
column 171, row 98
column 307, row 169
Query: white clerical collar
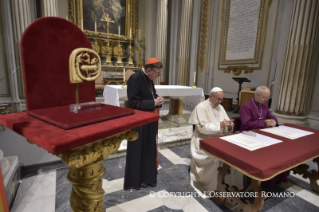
column 144, row 71
column 256, row 101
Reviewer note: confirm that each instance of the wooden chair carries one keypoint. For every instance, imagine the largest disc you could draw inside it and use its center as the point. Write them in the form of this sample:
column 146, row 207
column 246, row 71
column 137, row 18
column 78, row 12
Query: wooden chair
column 99, row 85
column 128, row 73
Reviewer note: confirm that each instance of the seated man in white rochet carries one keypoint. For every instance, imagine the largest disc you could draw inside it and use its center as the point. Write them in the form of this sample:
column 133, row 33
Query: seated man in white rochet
column 210, row 119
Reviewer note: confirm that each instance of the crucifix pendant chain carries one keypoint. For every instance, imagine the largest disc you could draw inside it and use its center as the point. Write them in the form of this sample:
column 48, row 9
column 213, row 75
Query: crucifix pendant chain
column 217, row 116
column 261, row 111
column 148, row 85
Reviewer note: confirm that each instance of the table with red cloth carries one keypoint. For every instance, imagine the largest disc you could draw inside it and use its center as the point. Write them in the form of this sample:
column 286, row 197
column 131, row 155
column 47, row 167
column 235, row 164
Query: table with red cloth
column 82, row 149
column 265, row 163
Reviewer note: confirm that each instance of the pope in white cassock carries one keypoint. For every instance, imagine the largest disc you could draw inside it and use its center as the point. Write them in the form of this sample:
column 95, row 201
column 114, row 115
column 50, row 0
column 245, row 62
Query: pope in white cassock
column 210, row 119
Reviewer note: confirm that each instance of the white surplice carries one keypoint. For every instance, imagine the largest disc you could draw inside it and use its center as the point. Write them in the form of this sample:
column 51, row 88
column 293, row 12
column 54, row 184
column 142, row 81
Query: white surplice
column 203, row 168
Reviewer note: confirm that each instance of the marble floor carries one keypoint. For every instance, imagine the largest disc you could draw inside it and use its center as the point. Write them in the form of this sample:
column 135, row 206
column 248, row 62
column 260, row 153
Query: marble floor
column 49, row 191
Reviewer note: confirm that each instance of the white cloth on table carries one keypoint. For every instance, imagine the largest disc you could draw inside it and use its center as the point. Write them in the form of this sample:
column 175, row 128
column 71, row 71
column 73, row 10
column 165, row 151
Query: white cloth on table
column 191, row 96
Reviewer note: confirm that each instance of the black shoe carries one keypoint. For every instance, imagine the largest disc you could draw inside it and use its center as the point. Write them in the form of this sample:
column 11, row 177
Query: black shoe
column 144, row 185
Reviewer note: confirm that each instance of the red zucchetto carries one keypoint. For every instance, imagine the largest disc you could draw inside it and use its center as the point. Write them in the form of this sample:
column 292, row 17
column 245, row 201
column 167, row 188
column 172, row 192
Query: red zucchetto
column 152, row 60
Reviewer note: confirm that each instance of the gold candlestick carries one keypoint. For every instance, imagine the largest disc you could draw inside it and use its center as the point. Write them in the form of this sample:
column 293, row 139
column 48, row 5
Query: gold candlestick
column 96, row 47
column 140, row 61
column 194, row 85
column 108, row 51
column 130, row 59
column 108, row 60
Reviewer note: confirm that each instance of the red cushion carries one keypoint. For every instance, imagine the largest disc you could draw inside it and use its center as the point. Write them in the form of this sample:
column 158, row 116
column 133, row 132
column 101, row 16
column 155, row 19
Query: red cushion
column 45, row 49
column 62, row 116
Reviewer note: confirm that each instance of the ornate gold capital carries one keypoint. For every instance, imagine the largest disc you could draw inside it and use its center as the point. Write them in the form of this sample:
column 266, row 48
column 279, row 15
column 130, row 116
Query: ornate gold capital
column 95, row 151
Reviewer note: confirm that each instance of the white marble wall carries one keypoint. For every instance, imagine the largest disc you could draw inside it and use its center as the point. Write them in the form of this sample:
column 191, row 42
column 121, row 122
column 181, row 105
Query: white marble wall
column 258, row 77
column 62, row 8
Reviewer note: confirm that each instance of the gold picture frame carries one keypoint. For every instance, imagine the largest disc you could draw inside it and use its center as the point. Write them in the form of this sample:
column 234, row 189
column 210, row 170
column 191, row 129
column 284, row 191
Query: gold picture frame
column 242, row 36
column 87, row 15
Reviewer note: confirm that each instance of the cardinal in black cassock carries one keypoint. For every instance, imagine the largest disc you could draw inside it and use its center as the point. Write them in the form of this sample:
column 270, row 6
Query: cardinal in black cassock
column 141, row 155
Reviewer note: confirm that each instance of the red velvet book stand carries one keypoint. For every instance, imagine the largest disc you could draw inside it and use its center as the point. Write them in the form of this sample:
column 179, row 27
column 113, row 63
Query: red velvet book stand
column 45, row 48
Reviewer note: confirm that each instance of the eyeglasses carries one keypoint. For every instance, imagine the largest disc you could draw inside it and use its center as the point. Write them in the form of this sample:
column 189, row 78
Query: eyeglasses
column 219, row 99
column 157, row 73
column 265, row 98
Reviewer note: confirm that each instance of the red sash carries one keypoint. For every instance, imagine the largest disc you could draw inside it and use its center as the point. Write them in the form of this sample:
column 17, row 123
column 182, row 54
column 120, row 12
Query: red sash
column 157, row 112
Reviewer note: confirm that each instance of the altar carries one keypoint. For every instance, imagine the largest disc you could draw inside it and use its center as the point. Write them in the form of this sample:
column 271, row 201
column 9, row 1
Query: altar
column 187, row 95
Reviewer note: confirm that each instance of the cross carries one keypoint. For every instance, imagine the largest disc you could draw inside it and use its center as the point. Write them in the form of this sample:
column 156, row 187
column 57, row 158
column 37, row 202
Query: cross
column 107, row 20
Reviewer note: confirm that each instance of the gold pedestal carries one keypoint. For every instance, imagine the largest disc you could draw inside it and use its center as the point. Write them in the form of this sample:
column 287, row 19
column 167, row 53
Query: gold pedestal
column 86, row 171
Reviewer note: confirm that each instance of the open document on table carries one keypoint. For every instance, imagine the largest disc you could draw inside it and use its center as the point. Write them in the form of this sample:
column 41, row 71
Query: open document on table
column 249, row 142
column 287, row 132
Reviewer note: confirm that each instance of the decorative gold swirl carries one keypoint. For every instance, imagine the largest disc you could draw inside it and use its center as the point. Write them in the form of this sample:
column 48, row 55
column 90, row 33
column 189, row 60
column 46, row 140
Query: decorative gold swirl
column 238, row 70
column 95, row 151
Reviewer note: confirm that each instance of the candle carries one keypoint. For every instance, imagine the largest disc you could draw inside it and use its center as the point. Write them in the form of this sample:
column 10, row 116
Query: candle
column 194, row 76
column 130, row 33
column 139, row 34
column 119, row 30
column 95, row 26
column 124, row 74
column 67, row 18
column 81, row 24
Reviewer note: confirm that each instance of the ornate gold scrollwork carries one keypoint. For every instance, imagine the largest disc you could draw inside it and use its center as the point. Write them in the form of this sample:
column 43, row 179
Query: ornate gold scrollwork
column 95, row 151
column 238, row 70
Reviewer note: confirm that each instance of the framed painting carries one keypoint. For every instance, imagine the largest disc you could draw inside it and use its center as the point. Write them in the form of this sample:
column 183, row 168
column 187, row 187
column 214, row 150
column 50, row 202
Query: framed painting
column 243, row 33
column 93, row 16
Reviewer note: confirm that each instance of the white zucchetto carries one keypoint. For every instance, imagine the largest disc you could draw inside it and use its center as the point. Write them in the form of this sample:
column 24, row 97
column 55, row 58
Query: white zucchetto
column 216, row 89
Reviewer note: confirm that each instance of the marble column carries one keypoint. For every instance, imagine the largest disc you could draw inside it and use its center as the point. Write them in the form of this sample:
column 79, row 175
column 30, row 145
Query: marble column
column 185, row 41
column 17, row 15
column 49, row 8
column 161, row 39
column 196, row 17
column 293, row 101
